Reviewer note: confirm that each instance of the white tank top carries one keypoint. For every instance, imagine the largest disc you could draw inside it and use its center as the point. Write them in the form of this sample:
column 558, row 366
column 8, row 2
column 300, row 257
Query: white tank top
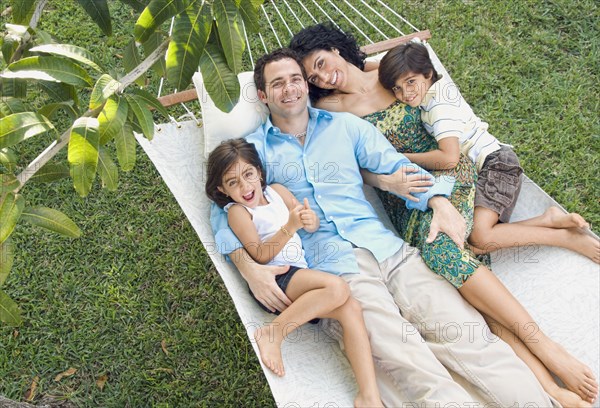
column 268, row 219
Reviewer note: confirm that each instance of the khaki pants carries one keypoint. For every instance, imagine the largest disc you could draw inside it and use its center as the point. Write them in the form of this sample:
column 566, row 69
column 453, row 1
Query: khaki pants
column 421, row 330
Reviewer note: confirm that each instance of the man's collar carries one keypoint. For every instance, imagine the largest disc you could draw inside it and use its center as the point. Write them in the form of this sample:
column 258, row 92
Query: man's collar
column 313, row 114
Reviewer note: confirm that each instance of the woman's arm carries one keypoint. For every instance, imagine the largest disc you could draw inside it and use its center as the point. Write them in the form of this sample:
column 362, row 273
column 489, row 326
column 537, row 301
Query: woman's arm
column 262, row 252
column 445, row 157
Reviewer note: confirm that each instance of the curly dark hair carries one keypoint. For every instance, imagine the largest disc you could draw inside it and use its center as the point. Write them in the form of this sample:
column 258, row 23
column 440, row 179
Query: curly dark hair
column 325, row 36
column 221, row 159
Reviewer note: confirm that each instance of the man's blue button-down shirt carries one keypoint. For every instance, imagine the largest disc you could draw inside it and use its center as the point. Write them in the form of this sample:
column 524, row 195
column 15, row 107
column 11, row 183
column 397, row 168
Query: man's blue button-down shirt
column 326, row 171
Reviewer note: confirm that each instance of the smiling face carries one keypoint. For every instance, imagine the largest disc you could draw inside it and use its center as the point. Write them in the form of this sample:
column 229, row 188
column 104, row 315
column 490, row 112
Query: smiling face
column 242, row 183
column 411, row 88
column 286, row 91
column 326, row 69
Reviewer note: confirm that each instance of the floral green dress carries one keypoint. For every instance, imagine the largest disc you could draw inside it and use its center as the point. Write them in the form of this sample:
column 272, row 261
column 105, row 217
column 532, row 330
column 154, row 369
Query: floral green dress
column 402, row 126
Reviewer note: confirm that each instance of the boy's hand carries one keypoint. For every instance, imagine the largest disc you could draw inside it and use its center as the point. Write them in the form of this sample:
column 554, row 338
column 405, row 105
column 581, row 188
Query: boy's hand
column 310, row 221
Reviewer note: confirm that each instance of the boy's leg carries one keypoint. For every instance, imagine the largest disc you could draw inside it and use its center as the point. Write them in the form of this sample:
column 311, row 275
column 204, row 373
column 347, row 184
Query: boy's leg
column 458, row 335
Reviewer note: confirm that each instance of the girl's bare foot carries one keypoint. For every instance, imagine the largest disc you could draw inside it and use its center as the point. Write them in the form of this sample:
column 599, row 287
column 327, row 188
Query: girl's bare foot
column 269, row 345
column 365, row 401
column 567, row 399
column 574, row 374
column 556, row 218
column 584, row 244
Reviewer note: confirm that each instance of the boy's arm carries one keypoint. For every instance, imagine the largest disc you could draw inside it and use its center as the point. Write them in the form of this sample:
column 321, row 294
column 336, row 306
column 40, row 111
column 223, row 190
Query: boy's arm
column 445, row 157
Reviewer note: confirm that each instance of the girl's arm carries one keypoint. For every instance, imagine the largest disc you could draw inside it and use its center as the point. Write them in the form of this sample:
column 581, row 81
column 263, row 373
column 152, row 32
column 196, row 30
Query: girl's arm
column 310, row 221
column 445, row 157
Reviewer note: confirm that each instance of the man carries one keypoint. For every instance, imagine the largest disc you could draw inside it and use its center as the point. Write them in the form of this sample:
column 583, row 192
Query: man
column 418, row 324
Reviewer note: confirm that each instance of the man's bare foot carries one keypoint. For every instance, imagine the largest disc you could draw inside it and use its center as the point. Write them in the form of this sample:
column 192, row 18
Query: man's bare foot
column 566, row 398
column 574, row 374
column 269, row 345
column 364, row 401
column 584, row 244
column 556, row 218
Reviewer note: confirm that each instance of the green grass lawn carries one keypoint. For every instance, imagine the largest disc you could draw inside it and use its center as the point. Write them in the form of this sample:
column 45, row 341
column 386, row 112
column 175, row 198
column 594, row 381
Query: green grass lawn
column 136, row 298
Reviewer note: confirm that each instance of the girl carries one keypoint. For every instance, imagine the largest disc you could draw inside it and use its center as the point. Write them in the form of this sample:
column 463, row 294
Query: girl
column 265, row 220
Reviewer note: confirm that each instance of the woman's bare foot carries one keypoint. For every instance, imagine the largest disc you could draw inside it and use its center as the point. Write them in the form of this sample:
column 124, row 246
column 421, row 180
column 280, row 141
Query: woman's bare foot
column 574, row 374
column 567, row 399
column 584, row 244
column 556, row 218
column 269, row 345
column 365, row 401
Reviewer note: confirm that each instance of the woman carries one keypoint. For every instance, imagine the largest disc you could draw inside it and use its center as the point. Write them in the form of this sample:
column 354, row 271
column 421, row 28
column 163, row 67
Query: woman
column 339, row 81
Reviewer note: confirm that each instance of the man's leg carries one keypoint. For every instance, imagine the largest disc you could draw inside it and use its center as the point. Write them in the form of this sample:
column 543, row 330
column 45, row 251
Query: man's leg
column 458, row 335
column 398, row 352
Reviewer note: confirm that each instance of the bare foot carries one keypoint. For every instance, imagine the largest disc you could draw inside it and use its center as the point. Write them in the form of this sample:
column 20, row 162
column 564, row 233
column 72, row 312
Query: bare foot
column 269, row 346
column 556, row 218
column 568, row 398
column 574, row 374
column 584, row 244
column 364, row 401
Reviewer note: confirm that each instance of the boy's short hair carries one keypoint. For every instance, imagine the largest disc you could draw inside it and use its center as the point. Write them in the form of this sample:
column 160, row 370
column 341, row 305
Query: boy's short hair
column 278, row 54
column 406, row 58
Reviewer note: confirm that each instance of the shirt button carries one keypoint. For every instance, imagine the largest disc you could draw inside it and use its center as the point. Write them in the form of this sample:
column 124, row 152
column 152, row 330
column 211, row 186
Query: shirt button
column 331, row 217
column 319, row 196
column 342, row 231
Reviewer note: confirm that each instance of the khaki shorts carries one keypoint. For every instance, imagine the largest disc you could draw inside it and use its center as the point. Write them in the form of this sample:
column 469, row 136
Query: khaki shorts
column 499, row 183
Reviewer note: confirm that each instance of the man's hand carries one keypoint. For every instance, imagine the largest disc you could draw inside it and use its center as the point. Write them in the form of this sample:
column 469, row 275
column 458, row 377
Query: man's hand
column 448, row 220
column 310, row 221
column 261, row 280
column 404, row 183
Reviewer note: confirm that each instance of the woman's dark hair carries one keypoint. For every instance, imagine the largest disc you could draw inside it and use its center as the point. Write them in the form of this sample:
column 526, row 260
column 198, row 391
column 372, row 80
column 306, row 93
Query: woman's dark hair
column 325, row 36
column 403, row 59
column 220, row 161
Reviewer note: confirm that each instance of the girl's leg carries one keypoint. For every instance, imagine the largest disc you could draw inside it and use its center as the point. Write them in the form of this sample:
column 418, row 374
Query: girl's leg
column 565, row 397
column 358, row 351
column 487, row 294
column 489, row 235
column 313, row 294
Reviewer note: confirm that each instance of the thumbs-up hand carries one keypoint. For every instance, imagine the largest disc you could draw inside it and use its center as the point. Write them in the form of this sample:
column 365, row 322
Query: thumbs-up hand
column 310, row 221
column 295, row 220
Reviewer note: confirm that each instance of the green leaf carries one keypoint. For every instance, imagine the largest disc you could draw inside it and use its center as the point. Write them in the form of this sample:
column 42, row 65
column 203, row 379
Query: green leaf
column 142, row 114
column 69, row 51
column 9, row 46
column 150, row 101
column 22, row 11
column 50, row 172
column 10, row 105
column 104, row 88
column 190, row 34
column 112, row 118
column 11, row 207
column 20, row 126
column 48, row 69
column 52, row 220
column 7, row 257
column 221, row 83
column 157, row 12
column 230, row 36
column 60, row 92
column 137, row 5
column 16, row 88
column 50, row 109
column 249, row 13
column 98, row 11
column 131, row 59
column 125, row 143
column 83, row 154
column 9, row 159
column 9, row 311
column 8, row 183
column 160, row 66
column 108, row 170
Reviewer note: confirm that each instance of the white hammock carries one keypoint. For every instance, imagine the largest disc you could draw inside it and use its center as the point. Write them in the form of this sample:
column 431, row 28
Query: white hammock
column 558, row 287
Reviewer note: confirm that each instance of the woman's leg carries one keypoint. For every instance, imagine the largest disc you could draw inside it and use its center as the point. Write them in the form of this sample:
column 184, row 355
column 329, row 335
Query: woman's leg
column 565, row 397
column 313, row 294
column 487, row 294
column 549, row 229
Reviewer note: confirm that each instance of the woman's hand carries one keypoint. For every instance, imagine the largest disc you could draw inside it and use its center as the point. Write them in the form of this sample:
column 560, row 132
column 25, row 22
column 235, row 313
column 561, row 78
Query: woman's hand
column 310, row 221
column 448, row 220
column 261, row 280
column 404, row 183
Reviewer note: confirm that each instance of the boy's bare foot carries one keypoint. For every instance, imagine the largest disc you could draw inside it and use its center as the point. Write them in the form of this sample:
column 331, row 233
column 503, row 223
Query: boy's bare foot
column 568, row 399
column 574, row 374
column 584, row 244
column 364, row 401
column 556, row 218
column 269, row 345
